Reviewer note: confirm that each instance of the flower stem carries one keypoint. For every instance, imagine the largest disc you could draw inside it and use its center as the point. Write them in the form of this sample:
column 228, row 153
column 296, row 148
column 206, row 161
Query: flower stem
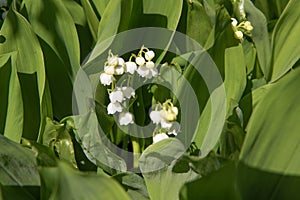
column 136, row 151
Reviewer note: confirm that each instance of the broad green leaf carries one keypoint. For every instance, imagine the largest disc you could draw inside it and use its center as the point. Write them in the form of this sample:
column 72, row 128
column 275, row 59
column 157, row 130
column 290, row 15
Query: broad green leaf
column 211, row 122
column 87, row 134
column 260, row 36
column 59, row 32
column 250, row 54
column 197, row 17
column 44, row 155
column 216, row 186
column 5, row 72
column 76, row 11
column 274, row 124
column 18, row 165
column 160, row 155
column 101, row 6
column 11, row 99
column 111, row 17
column 156, row 165
column 134, row 185
column 56, row 137
column 285, row 41
column 29, row 68
column 169, row 8
column 65, row 183
column 55, row 27
column 254, row 183
column 165, row 184
column 241, row 182
column 235, row 76
column 224, row 38
column 92, row 18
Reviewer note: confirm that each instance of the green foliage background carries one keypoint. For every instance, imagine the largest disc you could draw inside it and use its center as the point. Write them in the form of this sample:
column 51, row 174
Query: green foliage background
column 43, row 155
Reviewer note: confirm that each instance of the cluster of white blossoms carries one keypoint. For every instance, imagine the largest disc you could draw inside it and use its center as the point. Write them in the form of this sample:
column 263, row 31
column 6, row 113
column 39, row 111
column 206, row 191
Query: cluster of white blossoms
column 164, row 116
column 242, row 28
column 143, row 65
column 119, row 98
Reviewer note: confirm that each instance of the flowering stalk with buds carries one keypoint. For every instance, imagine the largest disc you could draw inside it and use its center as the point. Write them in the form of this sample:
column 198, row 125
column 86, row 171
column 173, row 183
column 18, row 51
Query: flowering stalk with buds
column 163, row 115
column 242, row 28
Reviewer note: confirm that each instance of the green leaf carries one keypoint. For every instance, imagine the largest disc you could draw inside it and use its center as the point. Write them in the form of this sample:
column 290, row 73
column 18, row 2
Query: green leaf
column 134, row 185
column 44, row 155
column 92, row 18
column 235, row 76
column 100, row 5
column 11, row 100
column 260, row 36
column 56, row 137
column 272, row 126
column 111, row 17
column 160, row 155
column 18, row 165
column 29, row 66
column 197, row 17
column 76, row 11
column 169, row 8
column 54, row 25
column 59, row 32
column 64, row 183
column 211, row 121
column 285, row 41
column 216, row 186
column 156, row 164
column 238, row 181
column 87, row 134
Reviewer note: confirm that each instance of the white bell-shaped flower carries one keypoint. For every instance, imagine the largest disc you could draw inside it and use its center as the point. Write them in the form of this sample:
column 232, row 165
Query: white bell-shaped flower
column 150, row 65
column 140, row 61
column 112, row 61
column 106, row 79
column 126, row 118
column 119, row 70
column 238, row 34
column 112, row 108
column 130, row 67
column 160, row 137
column 149, row 55
column 165, row 124
column 109, row 69
column 234, row 22
column 121, row 61
column 145, row 72
column 155, row 117
column 116, row 96
column 128, row 92
column 169, row 114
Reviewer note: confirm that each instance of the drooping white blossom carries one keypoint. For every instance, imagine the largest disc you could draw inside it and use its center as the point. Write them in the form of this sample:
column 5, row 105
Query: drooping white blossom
column 140, row 60
column 106, row 79
column 130, row 67
column 112, row 108
column 155, row 117
column 116, row 96
column 126, row 118
column 149, row 55
column 160, row 137
column 128, row 92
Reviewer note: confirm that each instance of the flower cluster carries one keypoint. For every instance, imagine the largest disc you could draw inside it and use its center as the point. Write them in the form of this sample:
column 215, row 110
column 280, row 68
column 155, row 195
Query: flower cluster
column 164, row 116
column 115, row 65
column 118, row 101
column 242, row 28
